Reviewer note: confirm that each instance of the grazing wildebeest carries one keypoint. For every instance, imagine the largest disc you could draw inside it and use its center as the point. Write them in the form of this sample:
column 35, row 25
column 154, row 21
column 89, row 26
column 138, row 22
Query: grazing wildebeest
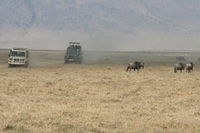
column 135, row 65
column 189, row 67
column 180, row 66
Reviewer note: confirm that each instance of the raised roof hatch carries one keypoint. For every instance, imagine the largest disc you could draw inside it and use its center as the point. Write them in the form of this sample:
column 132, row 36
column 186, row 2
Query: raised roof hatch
column 74, row 43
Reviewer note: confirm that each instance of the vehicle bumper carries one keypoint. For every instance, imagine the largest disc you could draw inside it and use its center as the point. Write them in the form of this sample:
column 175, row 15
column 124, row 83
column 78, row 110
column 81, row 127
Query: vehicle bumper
column 17, row 63
column 72, row 60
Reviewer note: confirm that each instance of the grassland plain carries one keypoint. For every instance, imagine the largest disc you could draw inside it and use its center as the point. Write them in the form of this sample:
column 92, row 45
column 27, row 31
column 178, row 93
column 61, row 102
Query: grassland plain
column 99, row 95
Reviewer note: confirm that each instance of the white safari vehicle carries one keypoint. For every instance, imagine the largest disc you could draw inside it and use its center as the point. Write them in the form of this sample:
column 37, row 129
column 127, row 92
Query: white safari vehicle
column 18, row 57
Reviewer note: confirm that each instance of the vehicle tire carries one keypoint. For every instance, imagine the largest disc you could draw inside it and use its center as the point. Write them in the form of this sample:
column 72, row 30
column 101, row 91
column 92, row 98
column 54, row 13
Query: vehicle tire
column 9, row 65
column 26, row 65
column 78, row 62
column 66, row 62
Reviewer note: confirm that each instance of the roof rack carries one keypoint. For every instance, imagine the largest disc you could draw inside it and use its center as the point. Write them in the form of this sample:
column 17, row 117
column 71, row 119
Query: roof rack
column 19, row 48
column 74, row 43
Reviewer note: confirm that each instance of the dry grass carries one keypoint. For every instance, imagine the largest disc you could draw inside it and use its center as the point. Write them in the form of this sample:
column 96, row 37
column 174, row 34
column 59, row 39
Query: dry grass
column 99, row 97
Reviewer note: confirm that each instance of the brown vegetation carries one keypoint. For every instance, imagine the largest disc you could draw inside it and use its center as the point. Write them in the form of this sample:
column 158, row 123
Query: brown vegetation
column 98, row 97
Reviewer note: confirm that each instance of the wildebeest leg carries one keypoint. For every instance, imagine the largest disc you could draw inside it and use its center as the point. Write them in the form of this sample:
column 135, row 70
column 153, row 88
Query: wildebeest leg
column 127, row 68
column 138, row 70
column 175, row 70
column 131, row 68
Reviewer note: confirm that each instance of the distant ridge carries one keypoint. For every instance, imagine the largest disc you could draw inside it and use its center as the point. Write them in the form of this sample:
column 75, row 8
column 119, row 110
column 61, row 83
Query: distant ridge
column 46, row 23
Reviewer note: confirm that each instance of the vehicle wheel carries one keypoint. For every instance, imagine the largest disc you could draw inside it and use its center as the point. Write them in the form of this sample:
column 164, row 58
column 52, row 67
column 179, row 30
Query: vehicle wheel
column 9, row 65
column 26, row 65
column 78, row 62
column 65, row 62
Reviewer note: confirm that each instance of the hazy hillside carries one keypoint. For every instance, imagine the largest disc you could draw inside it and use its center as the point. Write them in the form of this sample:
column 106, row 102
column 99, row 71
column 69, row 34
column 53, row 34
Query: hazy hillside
column 99, row 23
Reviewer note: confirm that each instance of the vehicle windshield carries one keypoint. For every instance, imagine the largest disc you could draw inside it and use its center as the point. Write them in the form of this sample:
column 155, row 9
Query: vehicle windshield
column 73, row 51
column 17, row 54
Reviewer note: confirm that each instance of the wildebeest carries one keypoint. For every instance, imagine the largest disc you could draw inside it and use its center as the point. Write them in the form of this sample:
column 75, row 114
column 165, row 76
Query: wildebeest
column 180, row 66
column 135, row 65
column 189, row 67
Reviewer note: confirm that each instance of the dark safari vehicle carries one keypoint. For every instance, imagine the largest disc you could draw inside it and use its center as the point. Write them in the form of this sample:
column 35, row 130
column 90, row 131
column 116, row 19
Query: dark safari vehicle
column 74, row 53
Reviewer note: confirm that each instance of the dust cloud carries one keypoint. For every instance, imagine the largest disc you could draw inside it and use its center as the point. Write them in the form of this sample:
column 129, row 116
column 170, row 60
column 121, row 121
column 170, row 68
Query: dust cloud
column 39, row 58
column 44, row 58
